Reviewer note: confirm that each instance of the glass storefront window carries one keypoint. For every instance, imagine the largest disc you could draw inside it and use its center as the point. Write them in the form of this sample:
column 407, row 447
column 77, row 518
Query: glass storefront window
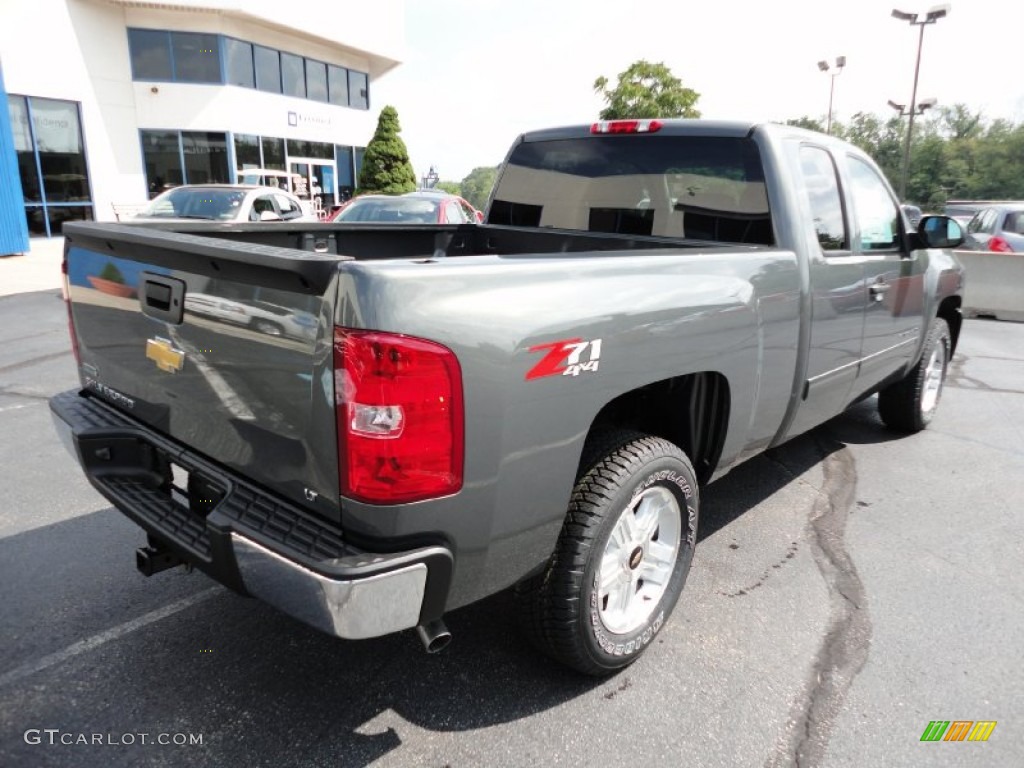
column 346, row 180
column 358, row 93
column 316, row 80
column 162, row 157
column 358, row 165
column 196, row 57
column 268, row 69
column 60, row 214
column 61, row 156
column 293, row 78
column 52, row 166
column 27, row 169
column 206, row 157
column 317, row 149
column 150, row 51
column 247, row 151
column 238, row 62
column 273, row 153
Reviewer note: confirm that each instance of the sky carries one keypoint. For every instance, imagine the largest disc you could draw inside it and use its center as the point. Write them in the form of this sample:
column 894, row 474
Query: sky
column 477, row 73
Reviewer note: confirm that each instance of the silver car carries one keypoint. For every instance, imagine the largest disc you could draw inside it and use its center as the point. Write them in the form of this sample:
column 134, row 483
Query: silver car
column 998, row 228
column 238, row 203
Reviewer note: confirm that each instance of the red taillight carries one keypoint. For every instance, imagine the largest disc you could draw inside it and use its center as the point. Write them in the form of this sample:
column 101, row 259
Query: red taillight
column 999, row 245
column 66, row 290
column 400, row 424
column 626, row 126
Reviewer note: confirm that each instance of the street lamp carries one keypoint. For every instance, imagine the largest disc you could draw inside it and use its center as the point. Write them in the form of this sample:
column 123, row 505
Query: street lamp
column 431, row 178
column 932, row 16
column 824, row 67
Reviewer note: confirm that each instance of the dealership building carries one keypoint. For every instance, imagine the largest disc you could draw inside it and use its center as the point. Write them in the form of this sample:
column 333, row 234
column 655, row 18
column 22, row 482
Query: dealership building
column 109, row 102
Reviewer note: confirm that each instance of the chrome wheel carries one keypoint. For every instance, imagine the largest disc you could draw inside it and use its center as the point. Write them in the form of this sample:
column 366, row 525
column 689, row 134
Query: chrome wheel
column 638, row 560
column 935, row 374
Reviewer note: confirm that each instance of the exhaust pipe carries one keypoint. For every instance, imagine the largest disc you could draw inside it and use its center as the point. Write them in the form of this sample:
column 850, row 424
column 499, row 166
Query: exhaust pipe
column 434, row 635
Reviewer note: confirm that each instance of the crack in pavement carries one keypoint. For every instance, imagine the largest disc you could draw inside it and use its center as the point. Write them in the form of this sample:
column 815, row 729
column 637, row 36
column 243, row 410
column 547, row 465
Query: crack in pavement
column 34, row 361
column 15, row 392
column 957, row 379
column 844, row 648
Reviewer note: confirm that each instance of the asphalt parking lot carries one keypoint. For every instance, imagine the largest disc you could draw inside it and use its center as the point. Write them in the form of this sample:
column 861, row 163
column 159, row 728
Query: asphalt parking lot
column 848, row 588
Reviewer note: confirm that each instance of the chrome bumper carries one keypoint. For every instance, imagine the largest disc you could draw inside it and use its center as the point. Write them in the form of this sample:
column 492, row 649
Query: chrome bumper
column 368, row 607
column 353, row 595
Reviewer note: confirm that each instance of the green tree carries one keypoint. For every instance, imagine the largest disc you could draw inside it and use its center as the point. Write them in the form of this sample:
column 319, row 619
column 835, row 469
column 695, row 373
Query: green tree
column 451, row 187
column 810, row 123
column 646, row 90
column 882, row 140
column 477, row 186
column 954, row 155
column 386, row 168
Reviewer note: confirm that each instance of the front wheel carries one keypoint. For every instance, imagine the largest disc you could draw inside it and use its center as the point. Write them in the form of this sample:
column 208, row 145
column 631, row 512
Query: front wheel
column 910, row 403
column 622, row 558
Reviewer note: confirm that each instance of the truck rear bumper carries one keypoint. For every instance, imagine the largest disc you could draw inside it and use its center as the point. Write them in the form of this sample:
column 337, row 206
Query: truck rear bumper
column 251, row 540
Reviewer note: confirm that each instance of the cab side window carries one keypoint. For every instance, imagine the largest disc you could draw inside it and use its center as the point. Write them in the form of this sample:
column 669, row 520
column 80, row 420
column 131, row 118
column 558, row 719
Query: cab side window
column 822, row 188
column 289, row 210
column 259, row 205
column 453, row 213
column 877, row 213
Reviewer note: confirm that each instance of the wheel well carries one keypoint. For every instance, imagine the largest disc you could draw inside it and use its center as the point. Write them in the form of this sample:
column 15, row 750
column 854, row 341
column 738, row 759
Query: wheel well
column 949, row 310
column 691, row 411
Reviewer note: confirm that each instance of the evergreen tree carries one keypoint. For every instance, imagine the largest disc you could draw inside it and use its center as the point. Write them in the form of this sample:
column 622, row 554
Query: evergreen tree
column 386, row 168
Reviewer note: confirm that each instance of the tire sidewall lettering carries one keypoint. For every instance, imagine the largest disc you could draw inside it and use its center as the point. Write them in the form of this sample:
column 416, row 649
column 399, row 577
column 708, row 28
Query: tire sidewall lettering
column 620, row 646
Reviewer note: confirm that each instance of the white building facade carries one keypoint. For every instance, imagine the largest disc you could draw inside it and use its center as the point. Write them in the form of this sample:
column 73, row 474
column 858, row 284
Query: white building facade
column 112, row 101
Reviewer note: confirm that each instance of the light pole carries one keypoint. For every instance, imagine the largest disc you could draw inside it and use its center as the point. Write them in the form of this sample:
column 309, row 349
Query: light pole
column 932, row 16
column 824, row 67
column 431, row 179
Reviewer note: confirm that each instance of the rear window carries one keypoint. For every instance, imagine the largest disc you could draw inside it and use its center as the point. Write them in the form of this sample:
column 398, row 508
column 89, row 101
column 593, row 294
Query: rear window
column 395, row 211
column 697, row 187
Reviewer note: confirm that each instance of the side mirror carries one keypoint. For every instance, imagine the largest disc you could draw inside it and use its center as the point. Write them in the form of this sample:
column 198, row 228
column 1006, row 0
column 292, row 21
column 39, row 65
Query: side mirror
column 940, row 232
column 269, row 216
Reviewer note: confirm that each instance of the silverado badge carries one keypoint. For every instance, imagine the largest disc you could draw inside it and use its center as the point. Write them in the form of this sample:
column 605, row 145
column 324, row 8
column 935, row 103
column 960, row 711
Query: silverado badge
column 163, row 353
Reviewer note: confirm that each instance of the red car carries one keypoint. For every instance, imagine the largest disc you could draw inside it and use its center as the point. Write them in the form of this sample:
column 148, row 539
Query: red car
column 423, row 207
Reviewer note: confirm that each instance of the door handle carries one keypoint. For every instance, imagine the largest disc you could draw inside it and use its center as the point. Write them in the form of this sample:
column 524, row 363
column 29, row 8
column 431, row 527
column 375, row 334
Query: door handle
column 878, row 290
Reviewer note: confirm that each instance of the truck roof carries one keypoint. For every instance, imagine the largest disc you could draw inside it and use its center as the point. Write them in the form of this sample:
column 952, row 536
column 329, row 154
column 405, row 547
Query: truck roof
column 674, row 126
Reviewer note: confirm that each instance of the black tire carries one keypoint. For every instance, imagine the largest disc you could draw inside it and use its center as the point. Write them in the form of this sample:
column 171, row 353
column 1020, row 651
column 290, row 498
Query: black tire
column 910, row 403
column 564, row 612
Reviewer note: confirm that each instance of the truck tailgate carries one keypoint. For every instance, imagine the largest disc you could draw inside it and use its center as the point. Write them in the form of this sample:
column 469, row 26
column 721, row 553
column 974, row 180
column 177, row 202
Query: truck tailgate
column 222, row 346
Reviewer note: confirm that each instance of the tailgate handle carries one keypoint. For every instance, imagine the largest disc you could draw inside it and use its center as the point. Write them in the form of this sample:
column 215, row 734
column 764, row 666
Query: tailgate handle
column 162, row 297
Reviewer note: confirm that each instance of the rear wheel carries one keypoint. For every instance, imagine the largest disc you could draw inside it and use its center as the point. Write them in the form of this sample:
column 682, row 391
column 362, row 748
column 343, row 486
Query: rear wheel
column 621, row 559
column 909, row 404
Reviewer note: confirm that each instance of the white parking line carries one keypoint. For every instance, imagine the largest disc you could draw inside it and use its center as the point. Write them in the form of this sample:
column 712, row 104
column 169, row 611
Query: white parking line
column 90, row 643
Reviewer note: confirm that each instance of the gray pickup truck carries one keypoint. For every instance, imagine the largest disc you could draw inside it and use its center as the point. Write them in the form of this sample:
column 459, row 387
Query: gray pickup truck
column 369, row 426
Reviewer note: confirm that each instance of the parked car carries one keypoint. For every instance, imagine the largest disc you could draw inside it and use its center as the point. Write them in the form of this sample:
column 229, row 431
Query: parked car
column 422, row 207
column 224, row 202
column 998, row 228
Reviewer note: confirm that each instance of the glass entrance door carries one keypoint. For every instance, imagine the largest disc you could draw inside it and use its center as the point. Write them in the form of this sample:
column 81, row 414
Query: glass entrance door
column 318, row 181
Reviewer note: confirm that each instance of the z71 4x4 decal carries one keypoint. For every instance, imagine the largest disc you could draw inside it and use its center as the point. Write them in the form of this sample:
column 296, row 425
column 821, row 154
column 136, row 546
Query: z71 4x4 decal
column 565, row 358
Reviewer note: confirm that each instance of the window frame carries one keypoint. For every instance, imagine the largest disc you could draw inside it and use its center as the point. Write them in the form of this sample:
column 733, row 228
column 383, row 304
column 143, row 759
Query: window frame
column 845, row 248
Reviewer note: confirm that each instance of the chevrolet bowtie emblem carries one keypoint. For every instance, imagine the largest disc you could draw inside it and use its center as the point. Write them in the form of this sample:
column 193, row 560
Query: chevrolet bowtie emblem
column 163, row 353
